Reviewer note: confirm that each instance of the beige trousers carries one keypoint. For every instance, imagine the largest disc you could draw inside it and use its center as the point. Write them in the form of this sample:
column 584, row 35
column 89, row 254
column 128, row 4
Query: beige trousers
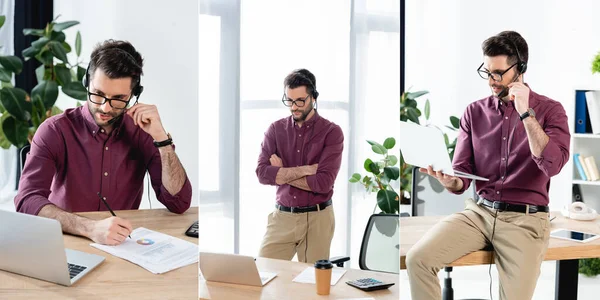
column 307, row 234
column 520, row 242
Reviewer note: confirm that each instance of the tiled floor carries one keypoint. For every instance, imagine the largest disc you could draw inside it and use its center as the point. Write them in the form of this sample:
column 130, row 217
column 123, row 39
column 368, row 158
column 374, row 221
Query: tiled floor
column 474, row 282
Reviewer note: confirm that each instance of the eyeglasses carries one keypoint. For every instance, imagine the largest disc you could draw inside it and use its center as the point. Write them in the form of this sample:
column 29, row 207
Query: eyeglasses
column 496, row 76
column 289, row 102
column 113, row 102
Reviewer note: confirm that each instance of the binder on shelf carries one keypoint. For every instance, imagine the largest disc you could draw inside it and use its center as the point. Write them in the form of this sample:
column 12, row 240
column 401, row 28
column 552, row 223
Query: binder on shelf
column 579, row 167
column 591, row 165
column 582, row 123
column 593, row 108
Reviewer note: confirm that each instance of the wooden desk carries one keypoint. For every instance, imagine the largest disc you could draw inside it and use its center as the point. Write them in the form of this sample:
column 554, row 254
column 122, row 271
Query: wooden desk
column 282, row 287
column 566, row 253
column 116, row 278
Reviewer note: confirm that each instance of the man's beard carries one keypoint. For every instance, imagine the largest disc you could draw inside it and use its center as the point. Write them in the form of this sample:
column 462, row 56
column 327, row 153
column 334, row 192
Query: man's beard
column 114, row 115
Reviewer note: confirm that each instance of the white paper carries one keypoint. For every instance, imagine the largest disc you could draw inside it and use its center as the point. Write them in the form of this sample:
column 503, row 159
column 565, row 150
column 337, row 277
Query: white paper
column 358, row 298
column 154, row 251
column 308, row 275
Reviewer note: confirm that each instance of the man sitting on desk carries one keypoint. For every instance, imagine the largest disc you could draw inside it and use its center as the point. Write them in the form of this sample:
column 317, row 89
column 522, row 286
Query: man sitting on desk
column 301, row 155
column 517, row 139
column 102, row 149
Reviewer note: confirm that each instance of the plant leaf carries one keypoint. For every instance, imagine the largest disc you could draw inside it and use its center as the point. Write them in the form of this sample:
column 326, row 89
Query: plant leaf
column 45, row 57
column 80, row 73
column 415, row 95
column 13, row 100
column 78, row 43
column 385, row 201
column 392, row 160
column 412, row 115
column 15, row 131
column 5, row 75
column 393, row 173
column 4, row 142
column 427, row 109
column 374, row 168
column 355, row 178
column 446, row 140
column 389, row 143
column 11, row 63
column 58, row 51
column 29, row 53
column 39, row 73
column 75, row 90
column 66, row 46
column 47, row 91
column 64, row 25
column 40, row 43
column 57, row 36
column 2, row 20
column 31, row 31
column 63, row 74
column 367, row 164
column 454, row 121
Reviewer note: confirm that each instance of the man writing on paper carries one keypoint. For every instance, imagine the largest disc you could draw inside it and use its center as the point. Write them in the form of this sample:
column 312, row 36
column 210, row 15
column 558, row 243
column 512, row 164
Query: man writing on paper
column 518, row 139
column 102, row 148
column 301, row 155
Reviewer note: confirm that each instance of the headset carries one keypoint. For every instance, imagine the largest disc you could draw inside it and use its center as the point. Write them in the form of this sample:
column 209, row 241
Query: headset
column 521, row 65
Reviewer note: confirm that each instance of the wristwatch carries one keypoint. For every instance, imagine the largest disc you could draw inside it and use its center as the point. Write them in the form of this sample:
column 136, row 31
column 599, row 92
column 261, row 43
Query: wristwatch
column 166, row 142
column 527, row 114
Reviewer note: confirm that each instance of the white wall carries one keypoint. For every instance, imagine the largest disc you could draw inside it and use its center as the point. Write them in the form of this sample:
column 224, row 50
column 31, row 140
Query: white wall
column 166, row 34
column 443, row 51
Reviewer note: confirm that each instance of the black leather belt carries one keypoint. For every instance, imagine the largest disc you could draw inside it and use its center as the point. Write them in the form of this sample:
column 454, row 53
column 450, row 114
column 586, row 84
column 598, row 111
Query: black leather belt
column 522, row 208
column 303, row 209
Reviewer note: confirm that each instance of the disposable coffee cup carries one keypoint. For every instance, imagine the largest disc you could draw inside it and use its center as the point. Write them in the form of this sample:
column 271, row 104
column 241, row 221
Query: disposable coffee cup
column 323, row 269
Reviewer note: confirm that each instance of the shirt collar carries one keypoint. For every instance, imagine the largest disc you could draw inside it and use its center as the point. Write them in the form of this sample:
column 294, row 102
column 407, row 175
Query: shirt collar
column 93, row 127
column 311, row 121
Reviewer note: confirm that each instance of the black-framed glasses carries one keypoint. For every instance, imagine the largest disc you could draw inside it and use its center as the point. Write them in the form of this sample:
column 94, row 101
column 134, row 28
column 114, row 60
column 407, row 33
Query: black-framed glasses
column 496, row 76
column 289, row 102
column 115, row 103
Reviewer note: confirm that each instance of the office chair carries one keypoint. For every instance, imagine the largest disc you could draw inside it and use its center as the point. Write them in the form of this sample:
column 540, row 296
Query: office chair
column 429, row 197
column 23, row 156
column 380, row 247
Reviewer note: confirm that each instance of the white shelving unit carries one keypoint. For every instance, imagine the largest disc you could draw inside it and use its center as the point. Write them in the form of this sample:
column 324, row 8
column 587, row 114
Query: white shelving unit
column 586, row 144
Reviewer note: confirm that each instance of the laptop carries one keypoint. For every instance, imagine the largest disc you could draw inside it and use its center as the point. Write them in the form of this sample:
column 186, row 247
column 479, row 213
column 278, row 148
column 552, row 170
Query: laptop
column 33, row 246
column 231, row 268
column 423, row 146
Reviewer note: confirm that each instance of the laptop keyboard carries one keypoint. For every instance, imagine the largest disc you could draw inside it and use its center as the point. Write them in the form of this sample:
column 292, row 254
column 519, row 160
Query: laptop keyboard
column 74, row 270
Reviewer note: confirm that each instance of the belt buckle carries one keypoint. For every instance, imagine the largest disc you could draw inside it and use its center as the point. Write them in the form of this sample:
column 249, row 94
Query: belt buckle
column 496, row 205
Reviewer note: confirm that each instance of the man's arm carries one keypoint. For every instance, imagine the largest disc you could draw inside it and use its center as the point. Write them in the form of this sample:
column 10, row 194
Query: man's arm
column 293, row 175
column 265, row 171
column 549, row 145
column 329, row 163
column 300, row 183
column 173, row 173
column 111, row 231
column 463, row 158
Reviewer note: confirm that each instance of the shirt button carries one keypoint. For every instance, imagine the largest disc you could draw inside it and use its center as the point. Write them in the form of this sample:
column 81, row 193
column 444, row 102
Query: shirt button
column 298, row 150
column 294, row 197
column 504, row 138
column 299, row 135
column 105, row 173
column 502, row 177
column 498, row 192
column 106, row 148
column 102, row 130
column 503, row 159
column 506, row 118
column 94, row 131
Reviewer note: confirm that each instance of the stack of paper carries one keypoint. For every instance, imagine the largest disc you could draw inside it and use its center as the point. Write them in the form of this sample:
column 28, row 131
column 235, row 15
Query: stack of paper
column 154, row 251
column 308, row 275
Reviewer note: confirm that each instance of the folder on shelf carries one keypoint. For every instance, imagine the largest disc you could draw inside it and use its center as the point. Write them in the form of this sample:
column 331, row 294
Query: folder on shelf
column 586, row 170
column 582, row 116
column 591, row 165
column 579, row 167
column 593, row 108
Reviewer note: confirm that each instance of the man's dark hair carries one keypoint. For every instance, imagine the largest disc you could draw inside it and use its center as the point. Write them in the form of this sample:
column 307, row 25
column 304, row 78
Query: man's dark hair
column 302, row 77
column 504, row 43
column 117, row 59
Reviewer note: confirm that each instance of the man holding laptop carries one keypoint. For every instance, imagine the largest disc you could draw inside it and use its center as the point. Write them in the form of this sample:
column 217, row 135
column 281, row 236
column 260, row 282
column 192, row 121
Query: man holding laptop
column 517, row 139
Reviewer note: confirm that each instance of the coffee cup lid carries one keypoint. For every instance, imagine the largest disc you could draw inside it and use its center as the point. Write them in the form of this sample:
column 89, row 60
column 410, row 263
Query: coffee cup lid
column 323, row 264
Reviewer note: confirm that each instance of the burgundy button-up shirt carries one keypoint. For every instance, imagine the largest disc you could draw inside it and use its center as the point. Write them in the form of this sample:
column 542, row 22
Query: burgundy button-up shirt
column 318, row 141
column 492, row 143
column 72, row 159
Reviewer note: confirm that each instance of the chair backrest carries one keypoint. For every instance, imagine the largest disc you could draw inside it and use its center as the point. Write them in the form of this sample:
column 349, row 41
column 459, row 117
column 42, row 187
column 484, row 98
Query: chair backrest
column 380, row 249
column 430, row 198
column 23, row 156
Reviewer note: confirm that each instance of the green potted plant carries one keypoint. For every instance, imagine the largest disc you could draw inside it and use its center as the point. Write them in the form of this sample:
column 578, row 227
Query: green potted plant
column 22, row 112
column 409, row 111
column 383, row 174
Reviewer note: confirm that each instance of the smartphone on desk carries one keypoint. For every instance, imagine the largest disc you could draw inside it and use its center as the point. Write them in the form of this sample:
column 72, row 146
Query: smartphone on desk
column 193, row 230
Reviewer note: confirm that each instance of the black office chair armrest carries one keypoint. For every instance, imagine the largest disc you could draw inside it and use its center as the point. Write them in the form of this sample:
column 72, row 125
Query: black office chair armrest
column 339, row 260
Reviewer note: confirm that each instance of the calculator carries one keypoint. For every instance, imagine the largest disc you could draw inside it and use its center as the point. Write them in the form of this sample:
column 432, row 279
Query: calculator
column 193, row 230
column 369, row 284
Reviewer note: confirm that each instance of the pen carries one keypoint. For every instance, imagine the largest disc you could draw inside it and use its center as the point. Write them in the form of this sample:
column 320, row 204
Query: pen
column 105, row 203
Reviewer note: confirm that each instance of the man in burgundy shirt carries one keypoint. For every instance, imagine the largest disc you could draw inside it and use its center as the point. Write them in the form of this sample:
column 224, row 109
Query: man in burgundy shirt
column 517, row 139
column 102, row 149
column 301, row 155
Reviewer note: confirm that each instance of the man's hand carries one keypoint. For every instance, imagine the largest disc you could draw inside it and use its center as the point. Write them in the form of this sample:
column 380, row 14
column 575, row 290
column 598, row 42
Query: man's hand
column 449, row 182
column 519, row 92
column 111, row 231
column 276, row 161
column 312, row 169
column 146, row 117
